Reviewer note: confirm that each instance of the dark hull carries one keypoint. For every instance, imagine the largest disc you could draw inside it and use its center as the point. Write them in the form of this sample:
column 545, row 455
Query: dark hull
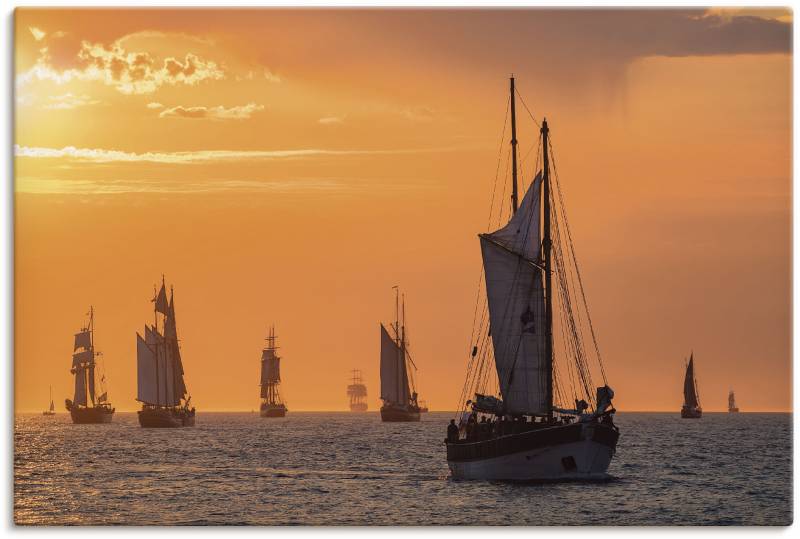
column 273, row 411
column 166, row 418
column 563, row 452
column 48, row 413
column 733, row 410
column 691, row 413
column 392, row 414
column 98, row 414
column 358, row 407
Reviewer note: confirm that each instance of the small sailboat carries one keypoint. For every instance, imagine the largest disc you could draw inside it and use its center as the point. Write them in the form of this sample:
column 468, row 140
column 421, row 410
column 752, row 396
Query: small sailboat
column 522, row 425
column 732, row 408
column 691, row 397
column 357, row 392
column 52, row 409
column 397, row 387
column 161, row 387
column 85, row 407
column 271, row 403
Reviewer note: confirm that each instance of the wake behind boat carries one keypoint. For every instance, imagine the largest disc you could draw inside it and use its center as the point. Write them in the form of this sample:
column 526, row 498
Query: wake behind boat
column 271, row 403
column 160, row 385
column 397, row 386
column 86, row 407
column 691, row 397
column 525, row 427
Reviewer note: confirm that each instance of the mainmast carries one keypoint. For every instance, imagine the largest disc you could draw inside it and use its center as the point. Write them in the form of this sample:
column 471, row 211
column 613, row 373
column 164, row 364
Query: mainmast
column 548, row 285
column 514, row 195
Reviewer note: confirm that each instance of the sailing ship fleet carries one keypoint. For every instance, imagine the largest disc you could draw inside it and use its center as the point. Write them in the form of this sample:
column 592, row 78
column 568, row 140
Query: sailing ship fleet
column 529, row 408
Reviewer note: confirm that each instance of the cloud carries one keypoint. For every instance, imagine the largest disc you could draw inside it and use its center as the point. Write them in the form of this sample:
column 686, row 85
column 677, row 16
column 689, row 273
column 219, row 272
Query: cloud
column 128, row 72
column 240, row 112
column 154, row 105
column 331, row 120
column 69, row 101
column 42, row 186
column 99, row 155
column 38, row 35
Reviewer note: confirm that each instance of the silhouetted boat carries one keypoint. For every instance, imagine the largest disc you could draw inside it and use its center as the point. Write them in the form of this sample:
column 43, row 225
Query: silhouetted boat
column 520, row 434
column 161, row 387
column 423, row 407
column 397, row 391
column 271, row 403
column 52, row 409
column 357, row 392
column 84, row 407
column 732, row 408
column 691, row 397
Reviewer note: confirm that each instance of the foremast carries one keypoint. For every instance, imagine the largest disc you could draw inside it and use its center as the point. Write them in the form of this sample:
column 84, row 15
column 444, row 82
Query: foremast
column 83, row 364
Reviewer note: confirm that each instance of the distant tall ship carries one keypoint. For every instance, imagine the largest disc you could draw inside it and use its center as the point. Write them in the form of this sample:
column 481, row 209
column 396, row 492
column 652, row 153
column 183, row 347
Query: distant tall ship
column 271, row 403
column 397, row 391
column 52, row 409
column 691, row 397
column 84, row 407
column 524, row 425
column 160, row 385
column 357, row 392
column 732, row 408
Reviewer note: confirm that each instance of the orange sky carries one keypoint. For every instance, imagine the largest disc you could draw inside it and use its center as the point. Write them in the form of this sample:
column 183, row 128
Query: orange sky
column 290, row 167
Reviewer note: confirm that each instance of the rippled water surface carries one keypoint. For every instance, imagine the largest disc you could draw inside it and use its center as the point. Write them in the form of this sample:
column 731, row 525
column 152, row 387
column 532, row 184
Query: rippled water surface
column 338, row 468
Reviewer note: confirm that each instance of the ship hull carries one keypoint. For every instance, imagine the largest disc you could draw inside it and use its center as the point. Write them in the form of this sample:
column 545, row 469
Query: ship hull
column 273, row 411
column 691, row 413
column 84, row 416
column 166, row 418
column 580, row 451
column 733, row 410
column 391, row 414
column 48, row 413
column 358, row 407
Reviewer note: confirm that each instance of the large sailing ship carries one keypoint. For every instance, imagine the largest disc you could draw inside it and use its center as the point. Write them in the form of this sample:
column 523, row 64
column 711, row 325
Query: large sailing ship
column 52, row 409
column 357, row 393
column 161, row 387
column 732, row 408
column 271, row 403
column 86, row 406
column 397, row 383
column 539, row 418
column 691, row 397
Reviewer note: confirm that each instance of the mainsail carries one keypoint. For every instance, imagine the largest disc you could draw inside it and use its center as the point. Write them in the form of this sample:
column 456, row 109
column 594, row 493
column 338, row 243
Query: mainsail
column 394, row 376
column 515, row 293
column 83, row 364
column 159, row 368
column 270, row 370
column 690, row 397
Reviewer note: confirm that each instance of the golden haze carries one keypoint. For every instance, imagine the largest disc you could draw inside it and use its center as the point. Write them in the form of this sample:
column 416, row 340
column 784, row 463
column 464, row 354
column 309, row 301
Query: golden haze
column 675, row 167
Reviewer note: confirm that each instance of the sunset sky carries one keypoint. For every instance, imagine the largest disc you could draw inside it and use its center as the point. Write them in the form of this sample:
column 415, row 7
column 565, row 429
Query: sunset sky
column 290, row 167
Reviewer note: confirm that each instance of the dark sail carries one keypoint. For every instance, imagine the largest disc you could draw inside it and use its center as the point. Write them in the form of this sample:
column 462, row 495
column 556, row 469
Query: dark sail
column 689, row 389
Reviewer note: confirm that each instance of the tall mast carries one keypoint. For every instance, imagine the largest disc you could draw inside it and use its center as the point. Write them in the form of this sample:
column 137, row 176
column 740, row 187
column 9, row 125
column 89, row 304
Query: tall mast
column 90, row 370
column 548, row 285
column 513, row 149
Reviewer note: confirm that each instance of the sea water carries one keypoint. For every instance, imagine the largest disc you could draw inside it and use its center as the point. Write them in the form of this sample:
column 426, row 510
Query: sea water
column 352, row 469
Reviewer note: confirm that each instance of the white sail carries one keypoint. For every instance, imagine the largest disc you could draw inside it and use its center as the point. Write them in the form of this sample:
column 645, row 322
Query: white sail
column 80, row 388
column 394, row 378
column 515, row 295
column 147, row 390
column 83, row 340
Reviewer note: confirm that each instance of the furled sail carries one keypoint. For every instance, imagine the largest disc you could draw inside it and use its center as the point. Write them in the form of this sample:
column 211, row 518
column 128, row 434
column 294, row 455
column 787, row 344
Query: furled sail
column 357, row 390
column 515, row 293
column 394, row 377
column 689, row 390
